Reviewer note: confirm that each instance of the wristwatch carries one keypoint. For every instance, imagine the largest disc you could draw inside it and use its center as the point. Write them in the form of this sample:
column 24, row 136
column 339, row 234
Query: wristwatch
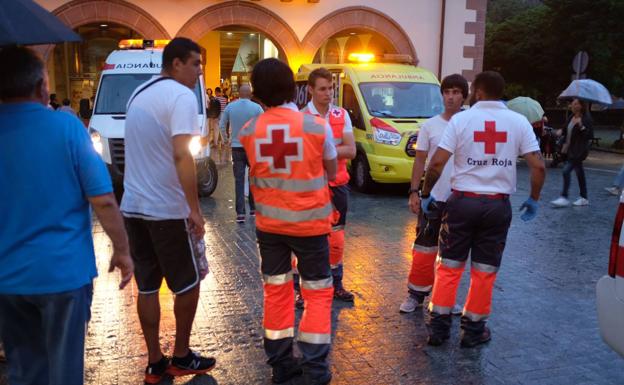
column 414, row 190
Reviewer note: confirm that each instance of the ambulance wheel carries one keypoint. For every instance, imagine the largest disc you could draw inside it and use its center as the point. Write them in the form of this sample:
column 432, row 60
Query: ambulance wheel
column 207, row 177
column 360, row 174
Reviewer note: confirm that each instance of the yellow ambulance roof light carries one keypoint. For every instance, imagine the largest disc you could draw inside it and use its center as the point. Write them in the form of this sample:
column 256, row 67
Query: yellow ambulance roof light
column 142, row 43
column 361, row 57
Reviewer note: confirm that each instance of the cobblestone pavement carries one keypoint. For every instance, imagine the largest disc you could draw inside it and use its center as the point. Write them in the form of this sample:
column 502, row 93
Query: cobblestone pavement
column 544, row 327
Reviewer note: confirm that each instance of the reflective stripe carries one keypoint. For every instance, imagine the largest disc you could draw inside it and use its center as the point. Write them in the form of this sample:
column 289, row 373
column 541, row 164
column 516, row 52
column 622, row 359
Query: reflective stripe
column 314, row 338
column 484, row 267
column 317, row 285
column 279, row 334
column 336, row 265
column 250, row 129
column 474, row 317
column 425, row 249
column 278, row 279
column 293, row 185
column 439, row 309
column 338, row 228
column 453, row 264
column 424, row 289
column 310, row 125
column 292, row 215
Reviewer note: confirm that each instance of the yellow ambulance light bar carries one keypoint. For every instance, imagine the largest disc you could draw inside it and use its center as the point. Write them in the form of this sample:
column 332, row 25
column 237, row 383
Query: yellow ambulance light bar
column 361, row 57
column 142, row 43
column 397, row 58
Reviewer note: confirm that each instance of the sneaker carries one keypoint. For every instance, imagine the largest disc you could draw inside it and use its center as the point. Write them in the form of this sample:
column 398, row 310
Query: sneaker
column 309, row 379
column 155, row 372
column 470, row 340
column 193, row 363
column 457, row 309
column 283, row 373
column 410, row 304
column 343, row 295
column 561, row 202
column 437, row 339
column 581, row 202
column 240, row 219
column 299, row 304
column 613, row 190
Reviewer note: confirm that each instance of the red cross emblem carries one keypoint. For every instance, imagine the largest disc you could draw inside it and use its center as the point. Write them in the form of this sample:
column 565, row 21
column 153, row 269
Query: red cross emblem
column 279, row 149
column 490, row 137
column 336, row 112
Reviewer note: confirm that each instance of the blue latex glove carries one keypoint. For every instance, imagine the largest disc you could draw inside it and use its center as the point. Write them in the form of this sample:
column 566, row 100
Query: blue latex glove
column 424, row 204
column 531, row 207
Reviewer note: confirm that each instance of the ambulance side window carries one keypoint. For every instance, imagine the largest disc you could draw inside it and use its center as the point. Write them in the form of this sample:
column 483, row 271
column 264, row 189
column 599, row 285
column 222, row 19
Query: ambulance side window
column 350, row 103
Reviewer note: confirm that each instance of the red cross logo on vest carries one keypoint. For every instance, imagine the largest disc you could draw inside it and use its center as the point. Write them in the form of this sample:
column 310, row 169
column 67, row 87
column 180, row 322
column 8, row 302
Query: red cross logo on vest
column 279, row 149
column 490, row 137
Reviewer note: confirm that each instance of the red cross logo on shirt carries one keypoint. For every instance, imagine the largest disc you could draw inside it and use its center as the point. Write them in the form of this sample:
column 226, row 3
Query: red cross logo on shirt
column 279, row 149
column 490, row 137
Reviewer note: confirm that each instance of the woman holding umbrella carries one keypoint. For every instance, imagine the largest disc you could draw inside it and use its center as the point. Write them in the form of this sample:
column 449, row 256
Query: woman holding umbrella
column 576, row 137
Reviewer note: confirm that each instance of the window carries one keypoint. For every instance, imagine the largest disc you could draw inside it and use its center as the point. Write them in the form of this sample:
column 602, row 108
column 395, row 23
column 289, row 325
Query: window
column 350, row 103
column 115, row 90
column 402, row 99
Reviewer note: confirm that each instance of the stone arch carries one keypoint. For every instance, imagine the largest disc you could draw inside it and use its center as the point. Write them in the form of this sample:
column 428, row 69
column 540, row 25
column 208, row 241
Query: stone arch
column 357, row 18
column 80, row 12
column 243, row 14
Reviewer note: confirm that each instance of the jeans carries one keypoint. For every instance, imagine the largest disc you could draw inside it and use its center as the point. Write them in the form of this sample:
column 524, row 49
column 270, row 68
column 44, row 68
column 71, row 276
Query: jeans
column 44, row 336
column 577, row 166
column 239, row 160
column 619, row 179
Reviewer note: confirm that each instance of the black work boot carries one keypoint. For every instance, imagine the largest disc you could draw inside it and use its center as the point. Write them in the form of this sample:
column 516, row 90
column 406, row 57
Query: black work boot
column 285, row 371
column 439, row 327
column 473, row 333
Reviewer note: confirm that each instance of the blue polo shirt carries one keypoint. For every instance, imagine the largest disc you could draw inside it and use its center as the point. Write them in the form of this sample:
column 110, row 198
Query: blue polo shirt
column 48, row 168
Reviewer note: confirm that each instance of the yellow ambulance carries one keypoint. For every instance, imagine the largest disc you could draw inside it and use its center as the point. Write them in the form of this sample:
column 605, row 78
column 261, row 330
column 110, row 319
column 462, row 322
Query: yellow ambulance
column 387, row 100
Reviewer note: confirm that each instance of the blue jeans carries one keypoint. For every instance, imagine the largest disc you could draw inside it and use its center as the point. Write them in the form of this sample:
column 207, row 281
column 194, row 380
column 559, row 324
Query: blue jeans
column 619, row 179
column 577, row 166
column 44, row 336
column 240, row 163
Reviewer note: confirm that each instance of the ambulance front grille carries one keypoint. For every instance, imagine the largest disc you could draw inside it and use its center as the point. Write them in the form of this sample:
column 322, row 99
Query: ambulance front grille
column 116, row 147
column 410, row 147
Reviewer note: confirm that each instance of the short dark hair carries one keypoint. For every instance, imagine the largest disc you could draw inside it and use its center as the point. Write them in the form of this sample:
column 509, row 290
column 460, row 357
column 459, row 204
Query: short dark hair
column 66, row 102
column 21, row 72
column 490, row 82
column 455, row 81
column 319, row 73
column 218, row 89
column 180, row 48
column 273, row 82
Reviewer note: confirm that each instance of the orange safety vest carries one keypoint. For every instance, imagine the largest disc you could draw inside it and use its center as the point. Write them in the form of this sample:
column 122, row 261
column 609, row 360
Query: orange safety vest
column 337, row 124
column 287, row 177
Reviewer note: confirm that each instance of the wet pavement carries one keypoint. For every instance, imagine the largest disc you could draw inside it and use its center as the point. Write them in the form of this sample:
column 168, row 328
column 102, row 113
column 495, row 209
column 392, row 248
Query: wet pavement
column 544, row 327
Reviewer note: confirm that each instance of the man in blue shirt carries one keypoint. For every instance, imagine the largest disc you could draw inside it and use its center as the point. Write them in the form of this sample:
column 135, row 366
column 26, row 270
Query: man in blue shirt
column 236, row 114
column 49, row 174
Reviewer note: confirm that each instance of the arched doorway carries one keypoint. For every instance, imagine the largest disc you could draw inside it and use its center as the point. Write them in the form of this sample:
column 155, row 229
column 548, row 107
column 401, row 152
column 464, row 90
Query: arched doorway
column 229, row 32
column 356, row 28
column 337, row 48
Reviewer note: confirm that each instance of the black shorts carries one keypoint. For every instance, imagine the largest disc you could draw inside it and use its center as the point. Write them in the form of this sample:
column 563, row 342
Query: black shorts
column 162, row 249
column 340, row 200
column 428, row 229
column 477, row 226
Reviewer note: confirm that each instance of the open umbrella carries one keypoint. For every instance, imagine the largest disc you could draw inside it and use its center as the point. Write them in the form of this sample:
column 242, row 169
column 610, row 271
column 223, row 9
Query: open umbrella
column 528, row 107
column 24, row 22
column 588, row 90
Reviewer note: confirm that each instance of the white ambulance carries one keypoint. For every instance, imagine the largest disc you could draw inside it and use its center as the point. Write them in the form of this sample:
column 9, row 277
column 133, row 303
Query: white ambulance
column 125, row 69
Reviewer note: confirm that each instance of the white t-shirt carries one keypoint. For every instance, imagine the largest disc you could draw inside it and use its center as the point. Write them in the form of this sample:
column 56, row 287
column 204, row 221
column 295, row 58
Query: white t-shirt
column 348, row 126
column 157, row 114
column 429, row 137
column 329, row 147
column 486, row 141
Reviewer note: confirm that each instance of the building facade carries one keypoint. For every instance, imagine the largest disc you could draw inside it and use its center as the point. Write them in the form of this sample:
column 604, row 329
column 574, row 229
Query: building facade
column 443, row 36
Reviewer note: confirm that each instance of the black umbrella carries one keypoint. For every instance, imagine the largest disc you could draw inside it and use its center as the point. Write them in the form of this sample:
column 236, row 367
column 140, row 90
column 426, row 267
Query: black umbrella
column 24, row 22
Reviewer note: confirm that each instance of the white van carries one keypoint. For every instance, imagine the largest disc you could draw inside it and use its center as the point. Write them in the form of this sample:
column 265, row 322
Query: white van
column 125, row 69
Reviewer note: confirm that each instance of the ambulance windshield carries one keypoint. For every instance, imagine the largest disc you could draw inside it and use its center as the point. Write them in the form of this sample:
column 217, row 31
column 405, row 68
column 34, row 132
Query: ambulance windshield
column 115, row 90
column 400, row 100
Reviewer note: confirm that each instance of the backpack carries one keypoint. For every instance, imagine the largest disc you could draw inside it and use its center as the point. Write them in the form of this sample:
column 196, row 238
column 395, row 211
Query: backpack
column 214, row 108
